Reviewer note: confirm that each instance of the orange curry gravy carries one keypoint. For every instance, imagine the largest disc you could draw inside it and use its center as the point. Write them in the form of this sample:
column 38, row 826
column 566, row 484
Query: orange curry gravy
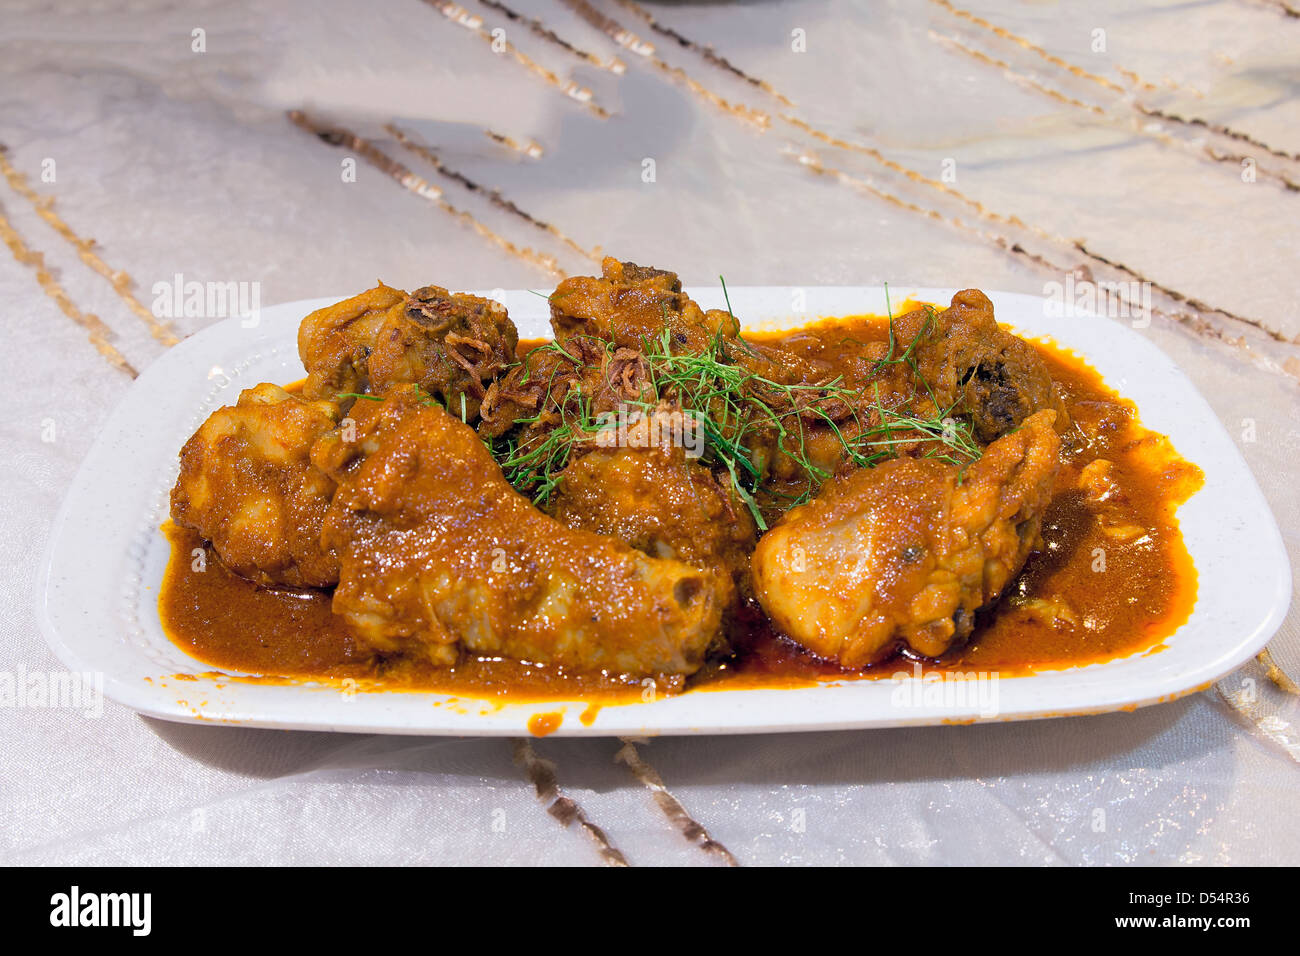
column 1104, row 586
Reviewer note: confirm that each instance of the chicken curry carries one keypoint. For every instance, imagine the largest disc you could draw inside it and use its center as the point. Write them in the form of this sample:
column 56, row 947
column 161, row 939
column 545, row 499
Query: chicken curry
column 654, row 495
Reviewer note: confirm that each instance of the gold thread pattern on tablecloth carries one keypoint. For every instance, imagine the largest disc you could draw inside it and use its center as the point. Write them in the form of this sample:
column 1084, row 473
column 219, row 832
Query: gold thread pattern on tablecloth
column 1274, row 729
column 1144, row 130
column 706, row 51
column 672, row 808
column 1275, row 673
column 995, row 216
column 1135, row 80
column 1009, row 71
column 120, row 281
column 1195, row 322
column 1039, row 51
column 96, row 330
column 1181, row 297
column 532, row 149
column 1236, row 159
column 340, row 136
column 631, row 41
column 540, row 29
column 1282, row 7
column 1219, row 128
column 574, row 91
column 541, row 774
column 493, row 195
column 612, row 29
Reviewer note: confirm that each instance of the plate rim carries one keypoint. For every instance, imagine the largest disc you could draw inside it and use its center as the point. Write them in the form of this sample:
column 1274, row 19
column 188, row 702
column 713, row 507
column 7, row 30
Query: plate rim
column 144, row 699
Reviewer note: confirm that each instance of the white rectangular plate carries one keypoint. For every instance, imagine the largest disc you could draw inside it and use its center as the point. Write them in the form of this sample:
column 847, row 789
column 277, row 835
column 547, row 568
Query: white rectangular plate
column 97, row 597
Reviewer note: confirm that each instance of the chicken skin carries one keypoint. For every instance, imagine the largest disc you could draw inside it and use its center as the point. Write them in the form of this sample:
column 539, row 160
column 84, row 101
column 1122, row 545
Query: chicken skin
column 440, row 557
column 451, row 345
column 631, row 305
column 663, row 503
column 247, row 484
column 335, row 342
column 905, row 553
column 976, row 368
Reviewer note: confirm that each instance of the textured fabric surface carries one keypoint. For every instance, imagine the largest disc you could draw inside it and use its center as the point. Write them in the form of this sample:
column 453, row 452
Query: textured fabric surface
column 997, row 145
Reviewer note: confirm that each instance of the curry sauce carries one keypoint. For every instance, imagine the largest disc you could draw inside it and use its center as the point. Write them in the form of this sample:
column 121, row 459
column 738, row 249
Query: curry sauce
column 1113, row 578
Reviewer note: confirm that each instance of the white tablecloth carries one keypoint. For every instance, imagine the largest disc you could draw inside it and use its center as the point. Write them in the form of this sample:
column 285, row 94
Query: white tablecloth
column 921, row 143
